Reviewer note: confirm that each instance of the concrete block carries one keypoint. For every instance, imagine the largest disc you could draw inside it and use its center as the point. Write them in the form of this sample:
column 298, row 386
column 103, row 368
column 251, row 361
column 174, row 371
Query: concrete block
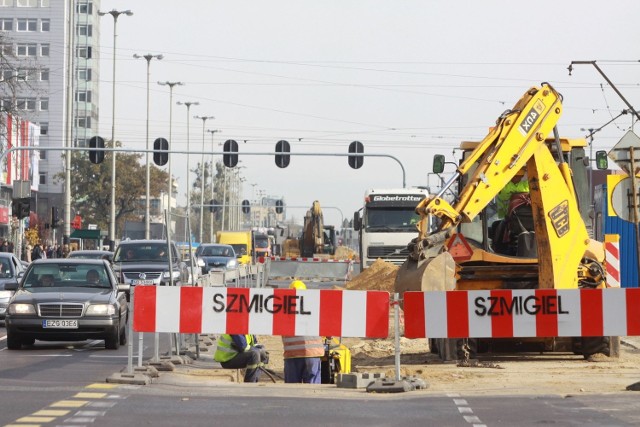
column 417, row 382
column 149, row 371
column 389, row 386
column 125, row 378
column 634, row 387
column 162, row 365
column 176, row 360
column 357, row 380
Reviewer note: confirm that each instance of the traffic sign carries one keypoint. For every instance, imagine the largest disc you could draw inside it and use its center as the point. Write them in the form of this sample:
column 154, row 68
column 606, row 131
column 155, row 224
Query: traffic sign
column 622, row 198
column 459, row 248
column 621, row 152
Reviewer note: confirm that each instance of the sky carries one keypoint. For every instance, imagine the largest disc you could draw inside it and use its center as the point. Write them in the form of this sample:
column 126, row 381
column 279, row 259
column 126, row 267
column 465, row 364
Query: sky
column 408, row 79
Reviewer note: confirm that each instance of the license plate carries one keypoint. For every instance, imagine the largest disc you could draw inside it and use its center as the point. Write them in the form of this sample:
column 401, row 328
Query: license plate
column 142, row 282
column 60, row 324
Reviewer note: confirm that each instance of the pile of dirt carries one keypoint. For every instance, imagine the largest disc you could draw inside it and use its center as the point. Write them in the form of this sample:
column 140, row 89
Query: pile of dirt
column 380, row 276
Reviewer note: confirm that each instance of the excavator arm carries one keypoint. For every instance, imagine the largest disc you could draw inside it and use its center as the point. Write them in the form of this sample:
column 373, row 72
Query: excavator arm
column 517, row 141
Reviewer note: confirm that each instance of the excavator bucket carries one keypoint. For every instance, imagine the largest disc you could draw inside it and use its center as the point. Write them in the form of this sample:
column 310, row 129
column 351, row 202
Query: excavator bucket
column 436, row 272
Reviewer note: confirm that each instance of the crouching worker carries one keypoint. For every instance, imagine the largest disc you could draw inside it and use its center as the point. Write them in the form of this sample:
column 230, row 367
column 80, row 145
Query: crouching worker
column 241, row 352
column 302, row 354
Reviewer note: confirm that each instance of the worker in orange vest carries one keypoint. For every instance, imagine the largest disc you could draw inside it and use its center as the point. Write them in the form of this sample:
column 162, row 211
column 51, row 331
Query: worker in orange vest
column 302, row 354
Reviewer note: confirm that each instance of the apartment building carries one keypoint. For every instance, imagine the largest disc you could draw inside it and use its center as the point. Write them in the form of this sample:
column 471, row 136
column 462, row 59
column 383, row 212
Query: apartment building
column 34, row 41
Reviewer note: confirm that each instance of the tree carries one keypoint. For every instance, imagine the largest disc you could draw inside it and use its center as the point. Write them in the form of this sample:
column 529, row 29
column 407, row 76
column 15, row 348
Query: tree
column 91, row 187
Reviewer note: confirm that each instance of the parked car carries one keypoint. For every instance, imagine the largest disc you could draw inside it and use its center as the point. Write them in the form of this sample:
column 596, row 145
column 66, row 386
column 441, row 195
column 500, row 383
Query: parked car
column 216, row 257
column 64, row 299
column 11, row 270
column 91, row 254
column 145, row 262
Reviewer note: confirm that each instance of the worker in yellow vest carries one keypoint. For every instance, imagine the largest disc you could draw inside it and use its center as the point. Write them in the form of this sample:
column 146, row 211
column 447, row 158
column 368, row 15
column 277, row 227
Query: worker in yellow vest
column 302, row 354
column 241, row 352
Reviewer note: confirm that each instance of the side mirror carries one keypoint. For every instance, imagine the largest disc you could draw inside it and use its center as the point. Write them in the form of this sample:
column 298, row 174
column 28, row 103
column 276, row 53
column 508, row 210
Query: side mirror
column 602, row 161
column 124, row 287
column 438, row 163
column 357, row 222
column 11, row 286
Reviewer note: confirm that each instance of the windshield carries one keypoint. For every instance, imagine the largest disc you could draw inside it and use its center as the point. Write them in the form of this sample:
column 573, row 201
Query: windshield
column 239, row 249
column 66, row 275
column 262, row 243
column 390, row 219
column 217, row 251
column 142, row 252
column 6, row 269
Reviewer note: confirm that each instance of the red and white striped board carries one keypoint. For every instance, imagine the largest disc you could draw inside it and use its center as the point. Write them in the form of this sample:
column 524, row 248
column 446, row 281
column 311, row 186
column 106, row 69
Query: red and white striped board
column 261, row 311
column 522, row 313
column 303, row 259
column 612, row 259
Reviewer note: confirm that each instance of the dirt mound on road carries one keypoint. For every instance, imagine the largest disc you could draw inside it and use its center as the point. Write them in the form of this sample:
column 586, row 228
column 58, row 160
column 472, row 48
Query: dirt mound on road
column 380, row 276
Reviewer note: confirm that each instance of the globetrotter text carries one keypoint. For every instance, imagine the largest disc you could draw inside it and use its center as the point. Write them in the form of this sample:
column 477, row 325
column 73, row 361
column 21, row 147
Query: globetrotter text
column 259, row 303
column 519, row 305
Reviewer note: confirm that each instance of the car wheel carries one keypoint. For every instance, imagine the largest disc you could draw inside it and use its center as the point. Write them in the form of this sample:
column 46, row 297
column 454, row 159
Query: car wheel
column 112, row 341
column 13, row 342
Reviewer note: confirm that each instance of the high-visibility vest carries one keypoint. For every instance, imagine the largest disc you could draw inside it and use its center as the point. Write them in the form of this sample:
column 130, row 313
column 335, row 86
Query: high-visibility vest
column 225, row 350
column 304, row 346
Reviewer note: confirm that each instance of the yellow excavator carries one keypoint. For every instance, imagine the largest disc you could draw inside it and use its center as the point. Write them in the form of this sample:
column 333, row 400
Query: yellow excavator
column 466, row 245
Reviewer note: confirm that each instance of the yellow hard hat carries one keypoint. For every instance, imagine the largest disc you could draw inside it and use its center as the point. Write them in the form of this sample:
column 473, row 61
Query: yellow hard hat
column 297, row 284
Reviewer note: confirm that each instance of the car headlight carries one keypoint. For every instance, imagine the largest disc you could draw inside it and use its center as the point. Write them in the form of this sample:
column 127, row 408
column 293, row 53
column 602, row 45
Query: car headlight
column 22, row 309
column 101, row 310
column 5, row 294
column 201, row 262
column 232, row 263
column 166, row 275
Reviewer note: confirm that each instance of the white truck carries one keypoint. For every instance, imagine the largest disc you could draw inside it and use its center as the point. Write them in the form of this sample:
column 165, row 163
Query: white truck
column 385, row 222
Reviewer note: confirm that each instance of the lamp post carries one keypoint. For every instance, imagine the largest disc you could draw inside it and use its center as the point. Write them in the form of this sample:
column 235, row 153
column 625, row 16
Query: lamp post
column 212, row 132
column 148, row 57
column 188, row 104
column 112, row 219
column 170, row 190
column 204, row 120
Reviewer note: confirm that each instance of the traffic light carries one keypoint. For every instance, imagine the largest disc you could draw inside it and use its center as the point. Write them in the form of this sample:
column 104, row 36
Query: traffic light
column 279, row 206
column 96, row 157
column 356, row 147
column 55, row 218
column 282, row 160
column 21, row 208
column 230, row 158
column 160, row 151
column 246, row 206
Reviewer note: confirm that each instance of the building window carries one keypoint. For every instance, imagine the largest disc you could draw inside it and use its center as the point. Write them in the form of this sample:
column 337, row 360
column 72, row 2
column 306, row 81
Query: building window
column 85, row 8
column 43, row 178
column 44, row 3
column 83, row 96
column 6, row 24
column 5, row 104
column 26, row 104
column 83, row 52
column 83, row 122
column 45, row 25
column 43, row 155
column 44, row 128
column 44, row 50
column 44, row 104
column 6, row 3
column 23, row 75
column 84, row 74
column 6, row 74
column 6, row 49
column 27, row 25
column 84, row 30
column 26, row 49
column 44, row 74
column 27, row 3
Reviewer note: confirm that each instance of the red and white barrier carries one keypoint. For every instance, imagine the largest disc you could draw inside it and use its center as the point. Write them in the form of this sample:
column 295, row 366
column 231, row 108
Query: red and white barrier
column 612, row 259
column 522, row 313
column 261, row 311
column 304, row 259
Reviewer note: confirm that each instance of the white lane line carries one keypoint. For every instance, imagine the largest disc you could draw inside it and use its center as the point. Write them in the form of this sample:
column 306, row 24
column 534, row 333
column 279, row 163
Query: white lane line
column 471, row 419
column 3, row 338
column 109, row 356
column 47, row 355
column 465, row 410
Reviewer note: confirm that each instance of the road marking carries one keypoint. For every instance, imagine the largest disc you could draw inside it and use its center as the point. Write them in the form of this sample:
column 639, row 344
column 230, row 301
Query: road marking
column 69, row 403
column 30, row 419
column 110, row 356
column 47, row 355
column 86, row 395
column 102, row 385
column 3, row 338
column 51, row 412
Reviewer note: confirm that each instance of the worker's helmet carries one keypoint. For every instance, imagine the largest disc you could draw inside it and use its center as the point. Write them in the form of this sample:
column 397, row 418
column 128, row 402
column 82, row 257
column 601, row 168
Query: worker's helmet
column 297, row 284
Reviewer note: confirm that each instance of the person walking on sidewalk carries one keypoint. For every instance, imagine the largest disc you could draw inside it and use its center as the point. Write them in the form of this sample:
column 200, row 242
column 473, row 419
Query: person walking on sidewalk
column 241, row 352
column 302, row 354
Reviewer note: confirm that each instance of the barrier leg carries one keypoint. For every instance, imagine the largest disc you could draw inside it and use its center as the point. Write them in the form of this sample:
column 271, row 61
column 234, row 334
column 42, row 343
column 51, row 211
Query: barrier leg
column 396, row 323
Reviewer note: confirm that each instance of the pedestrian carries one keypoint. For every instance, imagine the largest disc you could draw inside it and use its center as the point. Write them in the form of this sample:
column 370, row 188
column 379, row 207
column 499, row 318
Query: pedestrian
column 11, row 247
column 27, row 253
column 5, row 246
column 241, row 352
column 302, row 354
column 37, row 252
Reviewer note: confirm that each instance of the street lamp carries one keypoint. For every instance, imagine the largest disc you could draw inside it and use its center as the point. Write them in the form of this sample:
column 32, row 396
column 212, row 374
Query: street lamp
column 171, row 85
column 112, row 219
column 188, row 104
column 148, row 57
column 204, row 120
column 212, row 132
